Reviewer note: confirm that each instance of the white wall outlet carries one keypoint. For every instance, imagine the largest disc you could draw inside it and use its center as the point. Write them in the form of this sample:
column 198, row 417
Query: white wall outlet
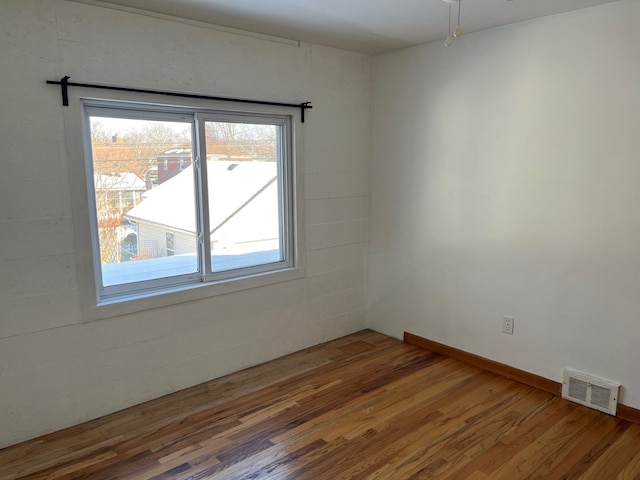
column 507, row 324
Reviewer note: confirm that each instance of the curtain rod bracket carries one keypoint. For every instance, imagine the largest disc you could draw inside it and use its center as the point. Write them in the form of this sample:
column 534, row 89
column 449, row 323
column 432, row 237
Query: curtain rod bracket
column 64, row 85
column 304, row 106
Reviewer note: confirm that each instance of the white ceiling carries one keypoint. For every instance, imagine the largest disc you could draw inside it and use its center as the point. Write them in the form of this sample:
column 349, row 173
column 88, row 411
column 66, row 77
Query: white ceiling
column 369, row 26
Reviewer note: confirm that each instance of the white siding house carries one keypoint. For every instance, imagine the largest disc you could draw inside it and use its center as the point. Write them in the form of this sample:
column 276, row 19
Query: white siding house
column 243, row 211
column 117, row 193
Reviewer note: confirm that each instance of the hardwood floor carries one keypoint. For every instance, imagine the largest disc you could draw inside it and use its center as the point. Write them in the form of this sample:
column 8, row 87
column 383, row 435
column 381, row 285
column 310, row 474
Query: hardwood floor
column 363, row 406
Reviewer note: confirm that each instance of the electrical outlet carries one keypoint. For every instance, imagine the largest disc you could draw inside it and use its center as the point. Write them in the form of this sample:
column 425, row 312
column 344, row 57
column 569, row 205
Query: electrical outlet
column 507, row 324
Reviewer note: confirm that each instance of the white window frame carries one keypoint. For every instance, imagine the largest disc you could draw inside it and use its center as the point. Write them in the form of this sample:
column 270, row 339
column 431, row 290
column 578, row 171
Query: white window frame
column 161, row 292
column 285, row 186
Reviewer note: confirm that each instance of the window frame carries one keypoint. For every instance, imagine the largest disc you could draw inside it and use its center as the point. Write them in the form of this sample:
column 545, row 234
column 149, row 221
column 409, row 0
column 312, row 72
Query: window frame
column 158, row 293
column 285, row 186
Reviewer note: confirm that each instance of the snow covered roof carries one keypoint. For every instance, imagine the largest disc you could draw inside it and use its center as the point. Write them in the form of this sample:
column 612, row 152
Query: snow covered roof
column 231, row 187
column 177, row 152
column 147, row 269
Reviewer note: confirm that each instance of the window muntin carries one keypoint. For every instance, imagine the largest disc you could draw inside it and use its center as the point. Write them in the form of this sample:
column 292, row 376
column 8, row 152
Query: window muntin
column 230, row 216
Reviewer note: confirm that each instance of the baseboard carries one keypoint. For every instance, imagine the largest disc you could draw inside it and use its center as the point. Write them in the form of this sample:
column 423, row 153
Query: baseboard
column 628, row 413
column 624, row 412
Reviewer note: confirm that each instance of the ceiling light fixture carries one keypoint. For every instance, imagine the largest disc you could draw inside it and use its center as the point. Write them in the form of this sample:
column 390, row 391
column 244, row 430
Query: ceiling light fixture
column 458, row 31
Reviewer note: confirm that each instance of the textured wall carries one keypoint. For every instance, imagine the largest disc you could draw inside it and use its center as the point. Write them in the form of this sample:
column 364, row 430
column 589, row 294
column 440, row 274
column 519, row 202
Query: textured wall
column 57, row 366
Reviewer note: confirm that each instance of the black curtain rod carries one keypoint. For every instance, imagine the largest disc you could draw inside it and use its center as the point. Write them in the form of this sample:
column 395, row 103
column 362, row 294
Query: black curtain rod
column 65, row 84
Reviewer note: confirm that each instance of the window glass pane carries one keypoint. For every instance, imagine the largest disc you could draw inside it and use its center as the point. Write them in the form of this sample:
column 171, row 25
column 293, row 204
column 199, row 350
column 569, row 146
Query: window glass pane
column 144, row 196
column 244, row 209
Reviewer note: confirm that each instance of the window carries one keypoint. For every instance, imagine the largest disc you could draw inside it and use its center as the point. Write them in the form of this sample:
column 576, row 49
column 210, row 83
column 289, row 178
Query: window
column 170, row 243
column 227, row 214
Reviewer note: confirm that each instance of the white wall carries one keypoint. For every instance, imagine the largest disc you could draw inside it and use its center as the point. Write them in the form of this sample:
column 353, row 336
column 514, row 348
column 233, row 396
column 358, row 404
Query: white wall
column 506, row 181
column 58, row 368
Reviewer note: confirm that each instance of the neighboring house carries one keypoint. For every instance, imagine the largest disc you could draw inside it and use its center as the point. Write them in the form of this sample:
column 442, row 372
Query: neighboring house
column 243, row 216
column 172, row 162
column 116, row 194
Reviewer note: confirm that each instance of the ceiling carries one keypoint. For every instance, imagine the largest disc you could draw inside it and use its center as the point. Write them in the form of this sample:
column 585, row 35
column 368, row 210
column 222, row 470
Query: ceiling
column 368, row 26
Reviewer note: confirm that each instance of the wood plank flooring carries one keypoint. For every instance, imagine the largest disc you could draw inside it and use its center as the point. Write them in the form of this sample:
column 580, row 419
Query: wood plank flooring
column 363, row 406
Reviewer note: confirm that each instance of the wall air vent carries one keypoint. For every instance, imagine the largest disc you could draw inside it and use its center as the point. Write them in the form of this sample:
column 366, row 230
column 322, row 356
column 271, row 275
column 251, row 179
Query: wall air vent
column 590, row 391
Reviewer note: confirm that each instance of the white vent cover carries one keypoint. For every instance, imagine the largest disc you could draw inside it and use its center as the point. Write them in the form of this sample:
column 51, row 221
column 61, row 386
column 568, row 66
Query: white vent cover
column 591, row 391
